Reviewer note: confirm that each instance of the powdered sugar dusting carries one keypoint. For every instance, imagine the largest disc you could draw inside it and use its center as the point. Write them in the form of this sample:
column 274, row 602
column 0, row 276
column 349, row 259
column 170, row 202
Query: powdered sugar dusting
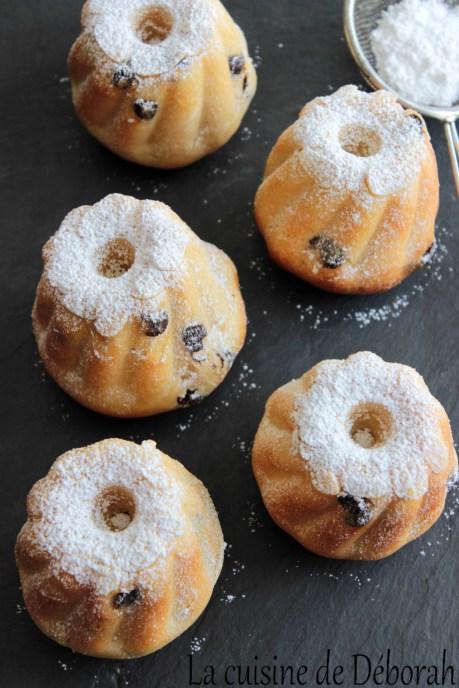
column 197, row 644
column 393, row 146
column 115, row 27
column 65, row 521
column 401, row 464
column 74, row 255
column 428, row 74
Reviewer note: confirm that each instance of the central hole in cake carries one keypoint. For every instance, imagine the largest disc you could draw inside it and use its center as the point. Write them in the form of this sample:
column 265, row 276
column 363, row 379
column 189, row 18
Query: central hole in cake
column 116, row 505
column 360, row 141
column 117, row 258
column 155, row 25
column 371, row 425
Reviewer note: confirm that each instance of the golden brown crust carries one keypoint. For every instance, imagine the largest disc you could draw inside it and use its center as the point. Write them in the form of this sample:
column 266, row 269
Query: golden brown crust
column 196, row 115
column 317, row 520
column 383, row 247
column 76, row 615
column 132, row 374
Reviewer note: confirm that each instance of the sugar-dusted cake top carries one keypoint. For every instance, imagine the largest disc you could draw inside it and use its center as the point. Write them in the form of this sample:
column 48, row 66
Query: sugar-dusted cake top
column 152, row 38
column 113, row 260
column 352, row 138
column 370, row 429
column 107, row 514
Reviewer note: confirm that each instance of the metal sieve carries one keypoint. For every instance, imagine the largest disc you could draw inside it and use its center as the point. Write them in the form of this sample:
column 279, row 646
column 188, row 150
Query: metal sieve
column 360, row 18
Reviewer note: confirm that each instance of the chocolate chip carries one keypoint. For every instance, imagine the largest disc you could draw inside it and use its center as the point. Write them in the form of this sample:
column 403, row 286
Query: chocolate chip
column 359, row 510
column 236, row 64
column 145, row 109
column 193, row 336
column 315, row 241
column 153, row 327
column 125, row 599
column 191, row 398
column 124, row 77
column 331, row 254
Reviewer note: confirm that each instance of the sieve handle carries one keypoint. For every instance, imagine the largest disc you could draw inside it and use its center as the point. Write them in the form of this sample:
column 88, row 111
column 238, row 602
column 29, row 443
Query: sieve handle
column 453, row 147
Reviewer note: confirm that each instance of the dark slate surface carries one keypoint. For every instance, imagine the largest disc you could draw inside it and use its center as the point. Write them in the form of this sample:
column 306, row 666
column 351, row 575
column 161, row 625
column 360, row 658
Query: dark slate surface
column 274, row 598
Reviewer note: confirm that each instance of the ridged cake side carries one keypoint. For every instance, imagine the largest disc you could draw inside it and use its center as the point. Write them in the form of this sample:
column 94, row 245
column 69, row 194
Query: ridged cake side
column 65, row 582
column 333, row 522
column 168, row 119
column 350, row 223
column 120, row 352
